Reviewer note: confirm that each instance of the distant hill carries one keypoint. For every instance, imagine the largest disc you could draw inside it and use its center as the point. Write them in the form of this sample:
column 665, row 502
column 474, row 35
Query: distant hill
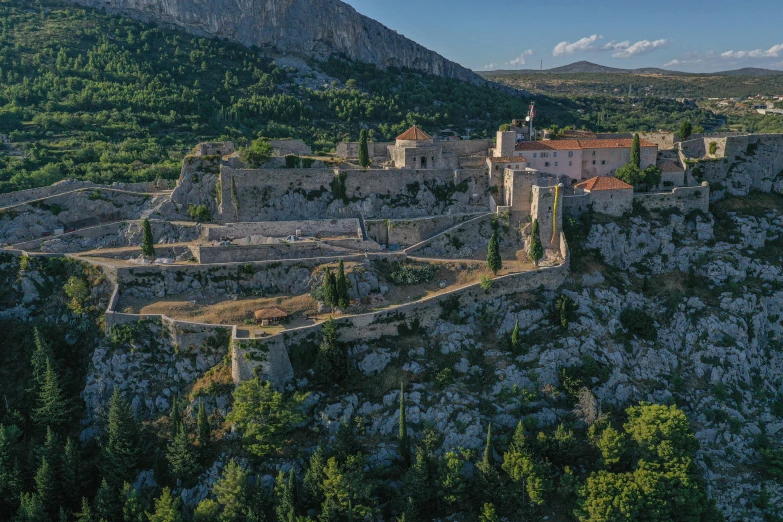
column 585, row 67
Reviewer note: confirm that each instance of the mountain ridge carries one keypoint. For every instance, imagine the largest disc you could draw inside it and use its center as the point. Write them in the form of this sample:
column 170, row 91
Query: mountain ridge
column 313, row 28
column 585, row 67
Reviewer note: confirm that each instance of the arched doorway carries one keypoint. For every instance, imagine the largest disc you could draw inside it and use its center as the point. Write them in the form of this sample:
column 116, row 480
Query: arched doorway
column 423, row 162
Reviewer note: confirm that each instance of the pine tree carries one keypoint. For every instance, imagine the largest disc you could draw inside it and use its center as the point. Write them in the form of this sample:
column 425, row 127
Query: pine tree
column 52, row 407
column 202, row 424
column 46, row 486
column 345, row 441
column 147, row 241
column 494, row 263
column 284, row 497
column 314, row 477
column 330, row 288
column 488, row 514
column 343, row 299
column 403, row 439
column 70, row 472
column 85, row 515
column 207, row 511
column 331, row 364
column 175, row 419
column 31, row 509
column 364, row 149
column 120, row 454
column 231, row 491
column 452, row 484
column 418, row 485
column 132, row 510
column 524, row 472
column 42, row 355
column 10, row 473
column 166, row 508
column 107, row 502
column 515, row 341
column 636, row 151
column 536, row 248
column 182, row 458
column 487, row 481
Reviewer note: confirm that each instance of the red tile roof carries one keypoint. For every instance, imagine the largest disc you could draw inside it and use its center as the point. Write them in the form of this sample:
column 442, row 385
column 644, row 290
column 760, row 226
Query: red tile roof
column 603, row 183
column 580, row 144
column 414, row 134
column 270, row 313
column 670, row 166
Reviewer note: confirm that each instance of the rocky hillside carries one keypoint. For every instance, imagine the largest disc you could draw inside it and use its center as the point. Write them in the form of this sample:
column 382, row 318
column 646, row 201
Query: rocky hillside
column 316, row 28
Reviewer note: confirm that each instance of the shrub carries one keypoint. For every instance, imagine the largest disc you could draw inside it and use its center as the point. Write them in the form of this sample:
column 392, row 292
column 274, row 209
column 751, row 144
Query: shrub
column 257, row 153
column 199, row 213
column 536, row 248
column 638, row 323
column 486, row 283
column 713, row 148
column 405, row 274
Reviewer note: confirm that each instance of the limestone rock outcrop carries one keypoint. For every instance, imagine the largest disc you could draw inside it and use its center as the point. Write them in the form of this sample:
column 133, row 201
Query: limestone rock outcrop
column 316, row 28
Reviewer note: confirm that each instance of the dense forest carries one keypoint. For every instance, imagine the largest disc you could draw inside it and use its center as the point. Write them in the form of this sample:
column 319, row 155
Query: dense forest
column 90, row 96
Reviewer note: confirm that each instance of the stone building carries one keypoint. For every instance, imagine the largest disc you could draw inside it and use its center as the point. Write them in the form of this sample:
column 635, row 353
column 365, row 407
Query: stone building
column 415, row 149
column 608, row 195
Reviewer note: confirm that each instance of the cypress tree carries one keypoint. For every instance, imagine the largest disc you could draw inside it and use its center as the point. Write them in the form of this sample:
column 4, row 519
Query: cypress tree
column 202, row 424
column 330, row 288
column 331, row 363
column 418, row 486
column 515, row 342
column 636, row 151
column 345, row 441
column 120, row 453
column 175, row 418
column 364, row 149
column 343, row 300
column 494, row 262
column 182, row 458
column 52, row 407
column 487, row 481
column 487, row 458
column 402, row 436
column 536, row 248
column 147, row 241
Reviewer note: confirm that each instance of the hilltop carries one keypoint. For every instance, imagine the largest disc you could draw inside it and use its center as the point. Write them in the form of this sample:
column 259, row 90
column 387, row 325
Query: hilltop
column 585, row 67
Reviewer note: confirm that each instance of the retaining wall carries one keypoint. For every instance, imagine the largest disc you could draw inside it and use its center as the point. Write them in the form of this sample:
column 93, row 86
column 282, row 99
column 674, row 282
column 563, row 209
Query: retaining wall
column 311, row 227
column 208, row 254
column 574, row 206
column 685, row 199
column 15, row 198
column 408, row 232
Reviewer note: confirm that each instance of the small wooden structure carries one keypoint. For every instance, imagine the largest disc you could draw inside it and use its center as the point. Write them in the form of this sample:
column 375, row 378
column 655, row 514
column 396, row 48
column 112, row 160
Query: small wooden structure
column 270, row 316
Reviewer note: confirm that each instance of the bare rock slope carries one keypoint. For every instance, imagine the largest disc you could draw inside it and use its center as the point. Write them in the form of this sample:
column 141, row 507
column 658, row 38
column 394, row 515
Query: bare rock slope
column 316, row 28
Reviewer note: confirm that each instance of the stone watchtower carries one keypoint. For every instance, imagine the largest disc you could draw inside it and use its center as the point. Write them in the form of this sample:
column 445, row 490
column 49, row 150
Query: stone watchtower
column 415, row 149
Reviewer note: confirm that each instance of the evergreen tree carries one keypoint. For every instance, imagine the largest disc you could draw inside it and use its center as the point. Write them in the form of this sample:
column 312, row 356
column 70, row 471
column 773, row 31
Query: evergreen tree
column 536, row 248
column 132, row 510
column 345, row 441
column 231, row 491
column 487, row 459
column 31, row 509
column 486, row 479
column 611, row 444
column 147, row 241
column 331, row 364
column 523, row 470
column 403, row 439
column 166, row 508
column 46, row 485
column 182, row 458
column 207, row 511
column 41, row 357
column 364, row 149
column 175, row 419
column 284, row 497
column 107, row 502
column 452, row 484
column 343, row 299
column 685, row 130
column 52, row 407
column 347, row 491
column 330, row 288
column 204, row 433
column 10, row 473
column 418, row 485
column 120, row 454
column 494, row 262
column 488, row 514
column 70, row 472
column 515, row 342
column 85, row 515
column 636, row 151
column 314, row 477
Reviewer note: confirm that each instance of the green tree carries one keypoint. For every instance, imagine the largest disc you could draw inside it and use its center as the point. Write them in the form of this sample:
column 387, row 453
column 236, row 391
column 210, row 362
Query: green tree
column 686, row 129
column 331, row 297
column 41, row 357
column 256, row 154
column 121, row 451
column 364, row 150
column 264, row 417
column 343, row 299
column 285, row 499
column 132, row 509
column 31, row 509
column 10, row 472
column 85, row 515
column 175, row 419
column 662, row 434
column 76, row 288
column 107, row 502
column 631, row 174
column 147, row 241
column 636, row 151
column 494, row 263
column 347, row 491
column 314, row 477
column 331, row 363
column 345, row 441
column 204, row 433
column 71, row 476
column 231, row 491
column 612, row 445
column 536, row 248
column 182, row 458
column 452, row 483
column 486, row 479
column 489, row 514
column 403, row 439
column 652, row 177
column 53, row 408
column 516, row 343
column 207, row 511
column 46, row 486
column 166, row 508
column 524, row 470
column 418, row 485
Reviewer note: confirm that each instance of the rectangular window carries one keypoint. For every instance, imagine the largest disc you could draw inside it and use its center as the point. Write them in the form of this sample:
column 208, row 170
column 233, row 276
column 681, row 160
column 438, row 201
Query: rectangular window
column 546, row 164
column 535, row 154
column 603, row 162
column 544, row 154
column 612, row 153
column 646, row 152
column 593, row 153
column 593, row 162
column 623, row 153
column 555, row 164
column 554, row 154
column 570, row 163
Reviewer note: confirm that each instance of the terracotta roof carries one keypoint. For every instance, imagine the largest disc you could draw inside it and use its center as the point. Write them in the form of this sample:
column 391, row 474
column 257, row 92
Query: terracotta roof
column 579, row 144
column 270, row 313
column 603, row 183
column 414, row 134
column 574, row 134
column 509, row 159
column 670, row 166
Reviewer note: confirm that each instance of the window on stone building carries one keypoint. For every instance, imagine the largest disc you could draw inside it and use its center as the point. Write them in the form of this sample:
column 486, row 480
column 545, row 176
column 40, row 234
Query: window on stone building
column 570, row 163
column 570, row 154
column 623, row 153
column 535, row 154
column 546, row 164
column 603, row 162
column 554, row 154
column 612, row 153
column 646, row 152
column 593, row 162
column 555, row 164
column 593, row 153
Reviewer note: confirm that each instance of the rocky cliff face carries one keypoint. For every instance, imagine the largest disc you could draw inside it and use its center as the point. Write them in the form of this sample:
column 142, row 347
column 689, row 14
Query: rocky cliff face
column 316, row 28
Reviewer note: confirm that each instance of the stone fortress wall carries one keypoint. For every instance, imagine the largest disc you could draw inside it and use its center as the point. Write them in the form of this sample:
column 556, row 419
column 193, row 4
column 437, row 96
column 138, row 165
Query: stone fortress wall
column 379, row 150
column 407, row 232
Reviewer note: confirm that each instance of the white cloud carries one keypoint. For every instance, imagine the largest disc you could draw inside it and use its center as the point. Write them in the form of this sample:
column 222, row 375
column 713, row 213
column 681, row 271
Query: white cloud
column 624, row 49
column 520, row 60
column 584, row 44
column 773, row 52
column 490, row 66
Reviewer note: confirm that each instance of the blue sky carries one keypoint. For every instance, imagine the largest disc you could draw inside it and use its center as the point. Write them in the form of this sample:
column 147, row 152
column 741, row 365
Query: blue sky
column 685, row 35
